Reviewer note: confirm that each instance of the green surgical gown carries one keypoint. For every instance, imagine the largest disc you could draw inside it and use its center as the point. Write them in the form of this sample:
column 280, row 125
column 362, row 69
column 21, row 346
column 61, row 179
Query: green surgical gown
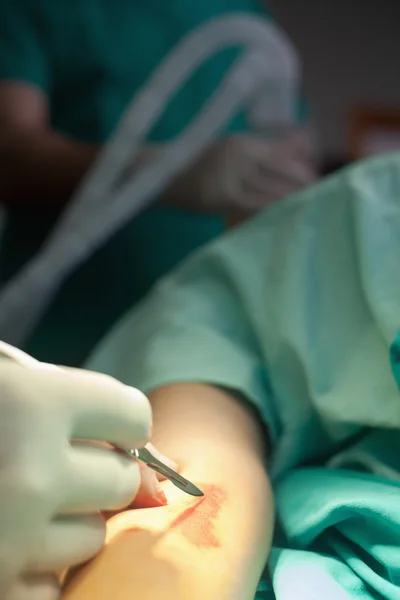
column 299, row 311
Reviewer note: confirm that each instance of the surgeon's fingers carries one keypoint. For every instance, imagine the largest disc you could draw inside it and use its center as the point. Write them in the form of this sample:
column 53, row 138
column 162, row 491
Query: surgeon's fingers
column 250, row 199
column 98, row 478
column 68, row 541
column 292, row 171
column 262, row 189
column 35, row 587
column 150, row 493
column 301, row 143
column 105, row 409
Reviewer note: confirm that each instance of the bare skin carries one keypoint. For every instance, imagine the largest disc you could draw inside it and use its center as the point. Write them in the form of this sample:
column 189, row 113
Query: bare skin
column 214, row 548
column 42, row 167
column 36, row 164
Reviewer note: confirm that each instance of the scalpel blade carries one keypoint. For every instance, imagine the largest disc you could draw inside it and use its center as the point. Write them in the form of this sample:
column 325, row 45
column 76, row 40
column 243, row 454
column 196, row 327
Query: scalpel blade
column 151, row 461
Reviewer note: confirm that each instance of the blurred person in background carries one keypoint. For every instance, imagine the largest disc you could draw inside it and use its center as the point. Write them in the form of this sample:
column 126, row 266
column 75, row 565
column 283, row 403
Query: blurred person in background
column 68, row 70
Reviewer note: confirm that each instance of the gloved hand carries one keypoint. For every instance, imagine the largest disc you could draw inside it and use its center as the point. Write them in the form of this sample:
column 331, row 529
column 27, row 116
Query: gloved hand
column 51, row 491
column 245, row 173
column 248, row 172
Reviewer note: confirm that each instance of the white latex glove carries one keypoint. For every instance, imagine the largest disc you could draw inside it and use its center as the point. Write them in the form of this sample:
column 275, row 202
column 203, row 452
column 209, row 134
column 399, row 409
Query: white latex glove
column 248, row 172
column 51, row 491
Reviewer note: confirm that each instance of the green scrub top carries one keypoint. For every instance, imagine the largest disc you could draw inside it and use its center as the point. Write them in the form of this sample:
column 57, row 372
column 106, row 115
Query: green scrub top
column 90, row 57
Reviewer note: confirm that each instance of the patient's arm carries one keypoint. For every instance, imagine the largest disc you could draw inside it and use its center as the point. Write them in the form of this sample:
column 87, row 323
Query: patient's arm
column 210, row 548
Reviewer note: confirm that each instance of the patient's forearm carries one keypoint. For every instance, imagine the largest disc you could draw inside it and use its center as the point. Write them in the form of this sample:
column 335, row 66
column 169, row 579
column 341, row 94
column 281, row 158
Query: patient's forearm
column 191, row 421
column 212, row 548
column 216, row 439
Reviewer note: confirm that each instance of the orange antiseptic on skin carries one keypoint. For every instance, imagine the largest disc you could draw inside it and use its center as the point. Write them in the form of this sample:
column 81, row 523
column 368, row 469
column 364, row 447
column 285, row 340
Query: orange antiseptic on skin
column 197, row 523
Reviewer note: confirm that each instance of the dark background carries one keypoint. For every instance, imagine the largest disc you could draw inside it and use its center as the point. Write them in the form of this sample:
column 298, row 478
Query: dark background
column 351, row 55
